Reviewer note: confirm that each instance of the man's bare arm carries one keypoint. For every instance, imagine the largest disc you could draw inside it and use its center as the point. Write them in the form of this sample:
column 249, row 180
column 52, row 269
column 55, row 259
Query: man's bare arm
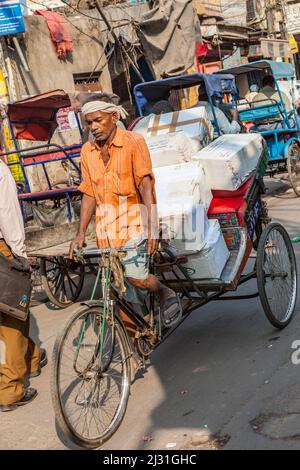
column 148, row 199
column 87, row 210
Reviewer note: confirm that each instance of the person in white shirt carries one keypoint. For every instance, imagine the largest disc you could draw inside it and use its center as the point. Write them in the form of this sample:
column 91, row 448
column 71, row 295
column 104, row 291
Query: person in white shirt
column 19, row 354
column 11, row 221
column 252, row 93
column 225, row 126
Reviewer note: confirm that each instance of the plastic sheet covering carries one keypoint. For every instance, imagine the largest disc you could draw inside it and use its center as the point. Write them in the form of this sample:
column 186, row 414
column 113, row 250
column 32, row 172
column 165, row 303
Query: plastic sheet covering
column 48, row 216
column 168, row 34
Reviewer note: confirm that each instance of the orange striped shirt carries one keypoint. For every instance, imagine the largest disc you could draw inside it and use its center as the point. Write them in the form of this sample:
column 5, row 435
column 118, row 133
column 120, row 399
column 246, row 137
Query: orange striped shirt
column 115, row 187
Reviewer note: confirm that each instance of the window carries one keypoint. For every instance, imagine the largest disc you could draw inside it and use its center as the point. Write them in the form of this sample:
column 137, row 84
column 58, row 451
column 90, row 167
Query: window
column 89, row 81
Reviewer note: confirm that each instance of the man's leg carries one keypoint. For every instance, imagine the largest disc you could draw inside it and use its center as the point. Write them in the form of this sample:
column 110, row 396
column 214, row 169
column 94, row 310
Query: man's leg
column 13, row 349
column 33, row 356
column 136, row 264
column 17, row 351
column 151, row 284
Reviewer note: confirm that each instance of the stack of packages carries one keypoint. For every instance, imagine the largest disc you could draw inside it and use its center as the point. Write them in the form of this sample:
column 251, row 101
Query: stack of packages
column 183, row 199
column 200, row 188
column 229, row 163
column 193, row 122
column 183, row 196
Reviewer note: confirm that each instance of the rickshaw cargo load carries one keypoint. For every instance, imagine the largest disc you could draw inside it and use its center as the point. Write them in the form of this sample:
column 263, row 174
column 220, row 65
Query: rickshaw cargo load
column 207, row 263
column 194, row 122
column 180, row 182
column 241, row 192
column 185, row 224
column 170, row 149
column 210, row 261
column 230, row 160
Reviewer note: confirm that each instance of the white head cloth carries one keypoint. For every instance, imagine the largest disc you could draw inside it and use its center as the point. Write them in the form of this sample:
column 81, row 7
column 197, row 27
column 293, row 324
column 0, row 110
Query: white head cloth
column 104, row 107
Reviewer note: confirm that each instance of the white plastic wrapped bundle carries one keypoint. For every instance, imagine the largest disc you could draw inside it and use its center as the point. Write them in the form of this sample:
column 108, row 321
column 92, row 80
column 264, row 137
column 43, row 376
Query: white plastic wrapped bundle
column 180, row 182
column 210, row 261
column 170, row 149
column 184, row 222
column 230, row 160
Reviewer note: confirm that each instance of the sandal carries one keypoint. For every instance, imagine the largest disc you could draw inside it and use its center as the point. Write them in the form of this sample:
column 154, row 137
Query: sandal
column 171, row 311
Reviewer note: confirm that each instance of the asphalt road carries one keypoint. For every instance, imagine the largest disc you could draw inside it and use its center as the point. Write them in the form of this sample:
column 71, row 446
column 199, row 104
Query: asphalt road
column 224, row 371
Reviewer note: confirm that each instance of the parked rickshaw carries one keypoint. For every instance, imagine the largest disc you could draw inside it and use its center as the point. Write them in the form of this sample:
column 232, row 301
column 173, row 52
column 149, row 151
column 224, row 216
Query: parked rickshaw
column 48, row 203
column 216, row 87
column 106, row 340
column 279, row 126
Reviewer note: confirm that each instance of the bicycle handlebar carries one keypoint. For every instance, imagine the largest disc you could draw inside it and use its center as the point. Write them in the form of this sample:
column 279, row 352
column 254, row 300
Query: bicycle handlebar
column 101, row 251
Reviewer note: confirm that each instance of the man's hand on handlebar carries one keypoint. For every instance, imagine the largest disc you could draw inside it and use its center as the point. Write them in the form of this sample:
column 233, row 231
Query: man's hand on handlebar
column 77, row 243
column 152, row 245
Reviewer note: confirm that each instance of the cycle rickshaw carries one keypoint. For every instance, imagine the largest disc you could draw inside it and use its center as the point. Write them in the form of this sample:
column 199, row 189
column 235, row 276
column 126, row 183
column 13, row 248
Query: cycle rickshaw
column 279, row 126
column 106, row 340
column 48, row 175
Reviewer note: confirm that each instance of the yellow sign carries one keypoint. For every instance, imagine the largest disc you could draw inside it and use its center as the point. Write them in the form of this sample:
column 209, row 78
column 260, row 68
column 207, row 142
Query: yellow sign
column 16, row 170
column 293, row 44
column 3, row 89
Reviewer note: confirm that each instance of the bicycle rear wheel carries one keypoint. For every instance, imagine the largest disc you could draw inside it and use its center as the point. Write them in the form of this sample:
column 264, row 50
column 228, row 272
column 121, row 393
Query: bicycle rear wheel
column 89, row 392
column 276, row 271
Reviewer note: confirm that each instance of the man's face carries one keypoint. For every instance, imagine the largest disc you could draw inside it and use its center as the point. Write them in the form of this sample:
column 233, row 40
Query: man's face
column 101, row 124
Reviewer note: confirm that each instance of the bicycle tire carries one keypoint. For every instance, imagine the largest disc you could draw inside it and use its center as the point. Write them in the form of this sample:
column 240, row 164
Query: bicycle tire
column 274, row 255
column 60, row 401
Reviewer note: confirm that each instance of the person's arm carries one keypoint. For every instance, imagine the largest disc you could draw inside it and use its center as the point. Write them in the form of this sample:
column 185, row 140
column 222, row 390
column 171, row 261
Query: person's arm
column 227, row 127
column 144, row 180
column 11, row 220
column 148, row 199
column 88, row 205
column 87, row 210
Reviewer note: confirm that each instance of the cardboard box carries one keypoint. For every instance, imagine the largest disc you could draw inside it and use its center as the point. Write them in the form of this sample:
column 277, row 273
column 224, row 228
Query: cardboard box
column 194, row 122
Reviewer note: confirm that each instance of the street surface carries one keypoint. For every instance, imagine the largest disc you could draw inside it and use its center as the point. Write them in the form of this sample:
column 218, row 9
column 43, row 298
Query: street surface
column 225, row 371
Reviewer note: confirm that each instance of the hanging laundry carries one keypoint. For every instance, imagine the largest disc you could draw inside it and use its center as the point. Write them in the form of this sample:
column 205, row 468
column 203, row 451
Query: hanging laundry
column 59, row 32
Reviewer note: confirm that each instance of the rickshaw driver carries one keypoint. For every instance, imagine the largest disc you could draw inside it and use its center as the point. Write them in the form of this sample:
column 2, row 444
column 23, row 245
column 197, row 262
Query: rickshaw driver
column 118, row 178
column 226, row 127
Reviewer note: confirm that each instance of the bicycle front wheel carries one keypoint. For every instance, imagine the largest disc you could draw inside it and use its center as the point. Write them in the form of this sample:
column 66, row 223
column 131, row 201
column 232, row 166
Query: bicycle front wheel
column 90, row 377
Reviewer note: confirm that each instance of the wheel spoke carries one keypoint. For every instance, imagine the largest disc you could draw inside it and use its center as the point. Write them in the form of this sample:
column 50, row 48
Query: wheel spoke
column 276, row 275
column 91, row 402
